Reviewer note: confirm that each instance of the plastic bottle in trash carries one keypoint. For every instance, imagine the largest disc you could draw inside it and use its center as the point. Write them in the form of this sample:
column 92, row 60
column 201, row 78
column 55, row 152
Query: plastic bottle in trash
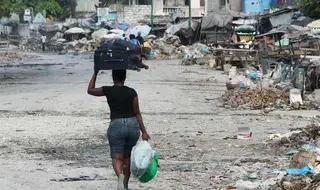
column 233, row 72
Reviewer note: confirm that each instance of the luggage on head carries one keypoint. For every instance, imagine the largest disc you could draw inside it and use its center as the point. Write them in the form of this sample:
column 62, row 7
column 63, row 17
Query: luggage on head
column 118, row 55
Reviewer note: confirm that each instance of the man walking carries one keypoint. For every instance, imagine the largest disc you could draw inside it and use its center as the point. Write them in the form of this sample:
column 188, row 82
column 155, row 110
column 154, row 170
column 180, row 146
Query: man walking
column 140, row 38
column 43, row 40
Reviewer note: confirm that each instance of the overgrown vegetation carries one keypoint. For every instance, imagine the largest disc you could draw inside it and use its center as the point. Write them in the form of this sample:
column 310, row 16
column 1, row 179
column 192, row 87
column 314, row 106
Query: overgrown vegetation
column 310, row 8
column 60, row 9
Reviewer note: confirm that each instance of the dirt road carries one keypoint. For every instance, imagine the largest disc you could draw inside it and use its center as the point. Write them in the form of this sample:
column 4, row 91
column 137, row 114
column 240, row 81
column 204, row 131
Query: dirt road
column 51, row 129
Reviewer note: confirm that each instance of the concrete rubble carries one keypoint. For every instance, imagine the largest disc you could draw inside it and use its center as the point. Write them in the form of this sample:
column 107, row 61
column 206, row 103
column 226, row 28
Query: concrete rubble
column 300, row 168
column 10, row 55
column 167, row 47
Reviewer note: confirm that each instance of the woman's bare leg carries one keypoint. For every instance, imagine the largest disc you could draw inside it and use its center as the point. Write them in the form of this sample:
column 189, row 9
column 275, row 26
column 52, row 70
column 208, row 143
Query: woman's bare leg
column 126, row 170
column 117, row 163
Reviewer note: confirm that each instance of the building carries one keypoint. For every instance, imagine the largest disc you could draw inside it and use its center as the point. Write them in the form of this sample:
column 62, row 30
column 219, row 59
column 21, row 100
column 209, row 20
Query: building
column 139, row 9
column 247, row 6
column 86, row 6
column 168, row 7
column 215, row 5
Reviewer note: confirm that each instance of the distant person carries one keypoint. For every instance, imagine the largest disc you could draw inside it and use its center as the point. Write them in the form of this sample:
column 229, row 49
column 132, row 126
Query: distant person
column 43, row 40
column 177, row 20
column 140, row 38
column 133, row 40
column 124, row 37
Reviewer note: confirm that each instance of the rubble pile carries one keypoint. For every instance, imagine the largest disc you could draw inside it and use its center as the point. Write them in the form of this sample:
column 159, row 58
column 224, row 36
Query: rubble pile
column 196, row 54
column 31, row 44
column 10, row 55
column 304, row 169
column 255, row 98
column 83, row 45
column 299, row 136
column 299, row 168
column 167, row 47
column 300, row 183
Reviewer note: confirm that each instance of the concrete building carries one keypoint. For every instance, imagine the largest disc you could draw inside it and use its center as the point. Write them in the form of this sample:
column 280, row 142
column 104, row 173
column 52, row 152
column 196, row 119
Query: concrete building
column 139, row 9
column 86, row 6
column 247, row 6
column 215, row 5
column 167, row 7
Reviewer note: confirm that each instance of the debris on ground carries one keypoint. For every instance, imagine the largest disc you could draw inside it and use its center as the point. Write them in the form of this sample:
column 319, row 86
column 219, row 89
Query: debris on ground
column 167, row 47
column 255, row 98
column 300, row 168
column 31, row 44
column 94, row 177
column 303, row 170
column 10, row 55
column 297, row 137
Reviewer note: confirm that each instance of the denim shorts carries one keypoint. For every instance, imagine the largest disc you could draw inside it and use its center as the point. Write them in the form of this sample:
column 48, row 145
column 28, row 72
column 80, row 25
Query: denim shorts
column 123, row 134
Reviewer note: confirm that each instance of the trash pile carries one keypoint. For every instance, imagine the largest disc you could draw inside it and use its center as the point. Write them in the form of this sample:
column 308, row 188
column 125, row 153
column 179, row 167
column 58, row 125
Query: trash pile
column 10, row 55
column 79, row 38
column 82, row 45
column 303, row 144
column 298, row 137
column 31, row 44
column 250, row 78
column 298, row 169
column 249, row 89
column 255, row 98
column 196, row 54
column 166, row 47
column 169, row 47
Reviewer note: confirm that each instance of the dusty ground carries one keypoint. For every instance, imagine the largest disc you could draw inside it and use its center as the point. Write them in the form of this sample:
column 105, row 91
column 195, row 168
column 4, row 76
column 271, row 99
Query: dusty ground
column 50, row 127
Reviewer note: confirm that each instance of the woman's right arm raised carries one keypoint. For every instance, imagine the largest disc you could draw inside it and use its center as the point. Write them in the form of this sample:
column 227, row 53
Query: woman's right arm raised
column 92, row 90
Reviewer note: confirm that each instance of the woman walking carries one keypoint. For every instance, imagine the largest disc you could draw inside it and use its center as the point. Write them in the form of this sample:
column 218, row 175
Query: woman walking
column 126, row 123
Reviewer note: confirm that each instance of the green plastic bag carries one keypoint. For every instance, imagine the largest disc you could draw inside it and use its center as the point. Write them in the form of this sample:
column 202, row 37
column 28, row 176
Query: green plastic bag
column 151, row 172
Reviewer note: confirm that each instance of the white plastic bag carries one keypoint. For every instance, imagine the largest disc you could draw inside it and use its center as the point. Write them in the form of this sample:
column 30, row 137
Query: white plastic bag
column 141, row 156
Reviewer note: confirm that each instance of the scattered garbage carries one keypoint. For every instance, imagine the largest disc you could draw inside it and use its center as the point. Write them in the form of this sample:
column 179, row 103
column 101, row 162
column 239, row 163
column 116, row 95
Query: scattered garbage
column 75, row 30
column 246, row 185
column 303, row 171
column 95, row 177
column 10, row 55
column 255, row 98
column 244, row 133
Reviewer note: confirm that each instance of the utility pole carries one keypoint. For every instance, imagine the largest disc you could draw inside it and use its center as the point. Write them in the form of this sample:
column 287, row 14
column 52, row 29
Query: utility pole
column 151, row 16
column 190, row 15
column 190, row 20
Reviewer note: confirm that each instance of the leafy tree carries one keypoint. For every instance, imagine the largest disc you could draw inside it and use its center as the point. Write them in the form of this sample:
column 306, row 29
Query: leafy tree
column 4, row 4
column 310, row 8
column 57, row 8
column 107, row 3
column 68, row 8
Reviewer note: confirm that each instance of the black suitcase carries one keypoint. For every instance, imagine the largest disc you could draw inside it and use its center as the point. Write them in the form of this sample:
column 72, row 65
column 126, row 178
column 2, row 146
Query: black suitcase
column 119, row 55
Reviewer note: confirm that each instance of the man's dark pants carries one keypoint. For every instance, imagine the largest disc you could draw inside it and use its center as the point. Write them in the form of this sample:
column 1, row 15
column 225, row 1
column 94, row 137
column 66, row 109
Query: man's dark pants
column 43, row 47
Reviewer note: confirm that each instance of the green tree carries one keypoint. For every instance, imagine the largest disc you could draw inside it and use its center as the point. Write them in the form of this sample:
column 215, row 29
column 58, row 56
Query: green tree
column 4, row 4
column 107, row 3
column 310, row 8
column 68, row 8
column 57, row 8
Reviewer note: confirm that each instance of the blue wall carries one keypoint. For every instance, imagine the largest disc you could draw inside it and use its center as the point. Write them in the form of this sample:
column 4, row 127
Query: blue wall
column 266, row 4
column 255, row 6
column 274, row 3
